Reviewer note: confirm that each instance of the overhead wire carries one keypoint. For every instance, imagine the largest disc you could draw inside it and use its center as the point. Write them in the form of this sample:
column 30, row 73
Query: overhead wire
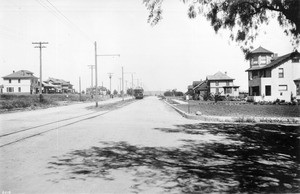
column 63, row 18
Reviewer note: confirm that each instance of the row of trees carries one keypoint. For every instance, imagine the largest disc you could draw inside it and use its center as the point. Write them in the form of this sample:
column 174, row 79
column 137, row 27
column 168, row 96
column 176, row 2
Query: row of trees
column 107, row 91
column 173, row 92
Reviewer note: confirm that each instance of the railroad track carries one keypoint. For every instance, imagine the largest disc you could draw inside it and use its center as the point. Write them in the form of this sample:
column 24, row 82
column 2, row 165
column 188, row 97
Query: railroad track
column 30, row 132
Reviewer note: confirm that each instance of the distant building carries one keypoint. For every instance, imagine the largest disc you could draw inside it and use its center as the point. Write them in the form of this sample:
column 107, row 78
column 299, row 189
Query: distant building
column 60, row 85
column 271, row 77
column 101, row 90
column 220, row 83
column 198, row 90
column 22, row 81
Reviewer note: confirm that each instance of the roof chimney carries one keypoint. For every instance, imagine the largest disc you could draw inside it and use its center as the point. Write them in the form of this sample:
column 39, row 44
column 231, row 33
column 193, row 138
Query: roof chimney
column 275, row 56
column 13, row 71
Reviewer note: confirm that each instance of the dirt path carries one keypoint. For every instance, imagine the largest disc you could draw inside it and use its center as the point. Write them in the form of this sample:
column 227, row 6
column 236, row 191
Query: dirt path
column 147, row 147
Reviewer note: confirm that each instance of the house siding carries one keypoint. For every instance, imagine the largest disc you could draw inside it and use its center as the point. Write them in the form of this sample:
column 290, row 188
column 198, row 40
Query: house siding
column 25, row 85
column 220, row 87
column 291, row 71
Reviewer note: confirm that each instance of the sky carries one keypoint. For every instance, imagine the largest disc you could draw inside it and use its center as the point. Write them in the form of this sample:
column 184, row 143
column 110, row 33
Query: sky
column 170, row 55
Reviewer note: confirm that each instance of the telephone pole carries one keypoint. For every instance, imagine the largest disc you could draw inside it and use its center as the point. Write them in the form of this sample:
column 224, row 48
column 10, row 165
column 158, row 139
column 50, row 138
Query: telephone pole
column 96, row 76
column 96, row 72
column 122, row 83
column 91, row 67
column 110, row 75
column 79, row 88
column 40, row 46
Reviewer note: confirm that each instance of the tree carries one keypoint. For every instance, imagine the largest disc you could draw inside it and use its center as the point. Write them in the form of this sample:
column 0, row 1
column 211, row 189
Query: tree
column 130, row 91
column 242, row 17
column 168, row 93
column 115, row 92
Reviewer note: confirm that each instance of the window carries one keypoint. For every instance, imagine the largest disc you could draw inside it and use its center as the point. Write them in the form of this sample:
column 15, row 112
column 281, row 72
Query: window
column 280, row 73
column 9, row 81
column 228, row 90
column 268, row 73
column 235, row 89
column 255, row 91
column 282, row 87
column 217, row 83
column 19, row 89
column 255, row 60
column 298, row 89
column 268, row 90
column 254, row 74
column 263, row 59
column 217, row 90
column 9, row 89
column 19, row 80
column 227, row 83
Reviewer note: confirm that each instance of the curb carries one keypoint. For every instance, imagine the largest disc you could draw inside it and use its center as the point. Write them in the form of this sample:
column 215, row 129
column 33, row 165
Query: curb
column 252, row 120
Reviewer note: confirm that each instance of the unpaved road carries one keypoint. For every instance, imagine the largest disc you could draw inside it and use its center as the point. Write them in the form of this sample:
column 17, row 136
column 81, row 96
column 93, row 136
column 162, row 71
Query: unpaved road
column 25, row 166
column 146, row 147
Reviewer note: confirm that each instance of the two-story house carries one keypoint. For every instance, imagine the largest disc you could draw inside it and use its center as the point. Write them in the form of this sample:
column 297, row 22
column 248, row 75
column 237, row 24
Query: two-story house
column 61, row 86
column 220, row 83
column 22, row 81
column 272, row 77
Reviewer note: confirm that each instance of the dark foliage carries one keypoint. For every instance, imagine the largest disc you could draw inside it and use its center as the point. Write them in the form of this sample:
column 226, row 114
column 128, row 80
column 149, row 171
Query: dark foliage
column 241, row 17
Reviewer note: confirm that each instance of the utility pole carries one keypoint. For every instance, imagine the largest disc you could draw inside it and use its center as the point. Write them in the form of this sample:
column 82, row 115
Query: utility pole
column 96, row 72
column 96, row 76
column 122, row 83
column 79, row 88
column 110, row 75
column 96, row 55
column 40, row 46
column 91, row 67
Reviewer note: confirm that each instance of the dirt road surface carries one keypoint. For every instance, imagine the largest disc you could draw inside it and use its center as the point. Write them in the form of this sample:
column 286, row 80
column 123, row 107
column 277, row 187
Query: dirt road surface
column 144, row 147
column 26, row 165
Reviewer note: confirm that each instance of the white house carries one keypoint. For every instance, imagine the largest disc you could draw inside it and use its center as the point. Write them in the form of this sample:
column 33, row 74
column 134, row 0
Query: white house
column 22, row 81
column 220, row 83
column 272, row 77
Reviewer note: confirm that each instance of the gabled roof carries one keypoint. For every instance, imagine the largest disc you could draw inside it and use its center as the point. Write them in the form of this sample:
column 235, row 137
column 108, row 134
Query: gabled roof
column 219, row 76
column 277, row 61
column 58, row 81
column 20, row 74
column 201, row 85
column 261, row 50
column 49, row 85
column 195, row 83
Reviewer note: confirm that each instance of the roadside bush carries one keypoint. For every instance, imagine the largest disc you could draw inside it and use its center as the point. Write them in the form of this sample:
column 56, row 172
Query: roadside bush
column 250, row 100
column 18, row 103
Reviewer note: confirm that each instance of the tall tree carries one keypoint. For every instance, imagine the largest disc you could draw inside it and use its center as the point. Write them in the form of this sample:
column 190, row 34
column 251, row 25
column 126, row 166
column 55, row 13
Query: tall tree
column 242, row 17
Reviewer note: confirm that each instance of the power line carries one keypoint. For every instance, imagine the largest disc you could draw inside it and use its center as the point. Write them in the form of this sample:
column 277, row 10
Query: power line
column 86, row 36
column 60, row 16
